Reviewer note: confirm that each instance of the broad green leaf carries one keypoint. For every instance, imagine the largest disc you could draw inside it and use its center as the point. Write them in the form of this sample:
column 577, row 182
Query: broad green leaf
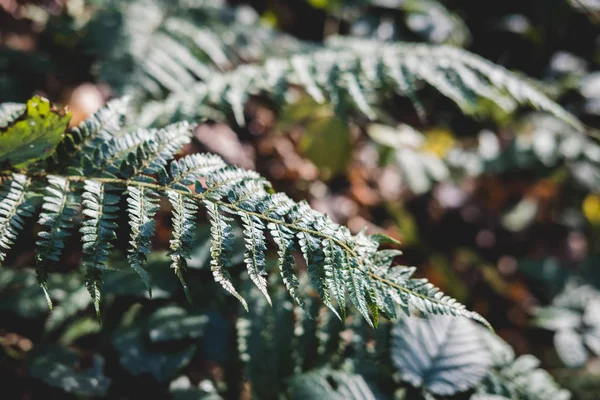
column 20, row 292
column 60, row 367
column 135, row 357
column 330, row 384
column 34, row 135
column 443, row 354
column 175, row 323
column 326, row 143
column 182, row 389
column 79, row 328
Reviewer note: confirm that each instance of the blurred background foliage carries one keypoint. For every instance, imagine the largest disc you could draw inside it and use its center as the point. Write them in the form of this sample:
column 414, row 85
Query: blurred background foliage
column 501, row 211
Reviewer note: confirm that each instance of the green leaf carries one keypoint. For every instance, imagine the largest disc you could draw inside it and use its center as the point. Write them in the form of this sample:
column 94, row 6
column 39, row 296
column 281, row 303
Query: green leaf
column 79, row 328
column 326, row 143
column 570, row 348
column 138, row 359
column 175, row 323
column 329, row 384
column 60, row 367
column 34, row 135
column 516, row 378
column 182, row 389
column 126, row 282
column 72, row 303
column 381, row 238
column 573, row 316
column 20, row 293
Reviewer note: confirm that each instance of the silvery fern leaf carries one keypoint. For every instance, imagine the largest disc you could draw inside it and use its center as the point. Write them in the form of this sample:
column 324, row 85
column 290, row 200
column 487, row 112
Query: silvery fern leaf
column 140, row 167
column 359, row 73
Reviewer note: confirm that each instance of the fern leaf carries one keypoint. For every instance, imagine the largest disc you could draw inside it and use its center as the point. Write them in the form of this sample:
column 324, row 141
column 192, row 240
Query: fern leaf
column 167, row 46
column 393, row 70
column 302, row 67
column 339, row 281
column 139, row 152
column 92, row 133
column 184, row 211
column 9, row 112
column 254, row 257
column 341, row 266
column 332, row 278
column 100, row 208
column 57, row 215
column 109, row 159
column 444, row 59
column 221, row 182
column 277, row 206
column 428, row 299
column 337, row 73
column 14, row 207
column 191, row 169
column 93, row 283
column 284, row 239
column 356, row 282
column 142, row 205
column 315, row 263
column 220, row 250
column 153, row 155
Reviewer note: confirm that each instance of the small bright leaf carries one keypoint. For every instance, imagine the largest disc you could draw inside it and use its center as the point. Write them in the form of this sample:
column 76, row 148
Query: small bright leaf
column 438, row 142
column 591, row 208
column 34, row 135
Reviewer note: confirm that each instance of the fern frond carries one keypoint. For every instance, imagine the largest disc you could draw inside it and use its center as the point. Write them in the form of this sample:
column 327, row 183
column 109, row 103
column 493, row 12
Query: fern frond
column 14, row 207
column 58, row 210
column 284, row 239
column 220, row 250
column 88, row 137
column 190, row 169
column 100, row 206
column 255, row 255
column 184, row 213
column 313, row 255
column 166, row 46
column 453, row 66
column 357, row 72
column 152, row 156
column 341, row 266
column 142, row 205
